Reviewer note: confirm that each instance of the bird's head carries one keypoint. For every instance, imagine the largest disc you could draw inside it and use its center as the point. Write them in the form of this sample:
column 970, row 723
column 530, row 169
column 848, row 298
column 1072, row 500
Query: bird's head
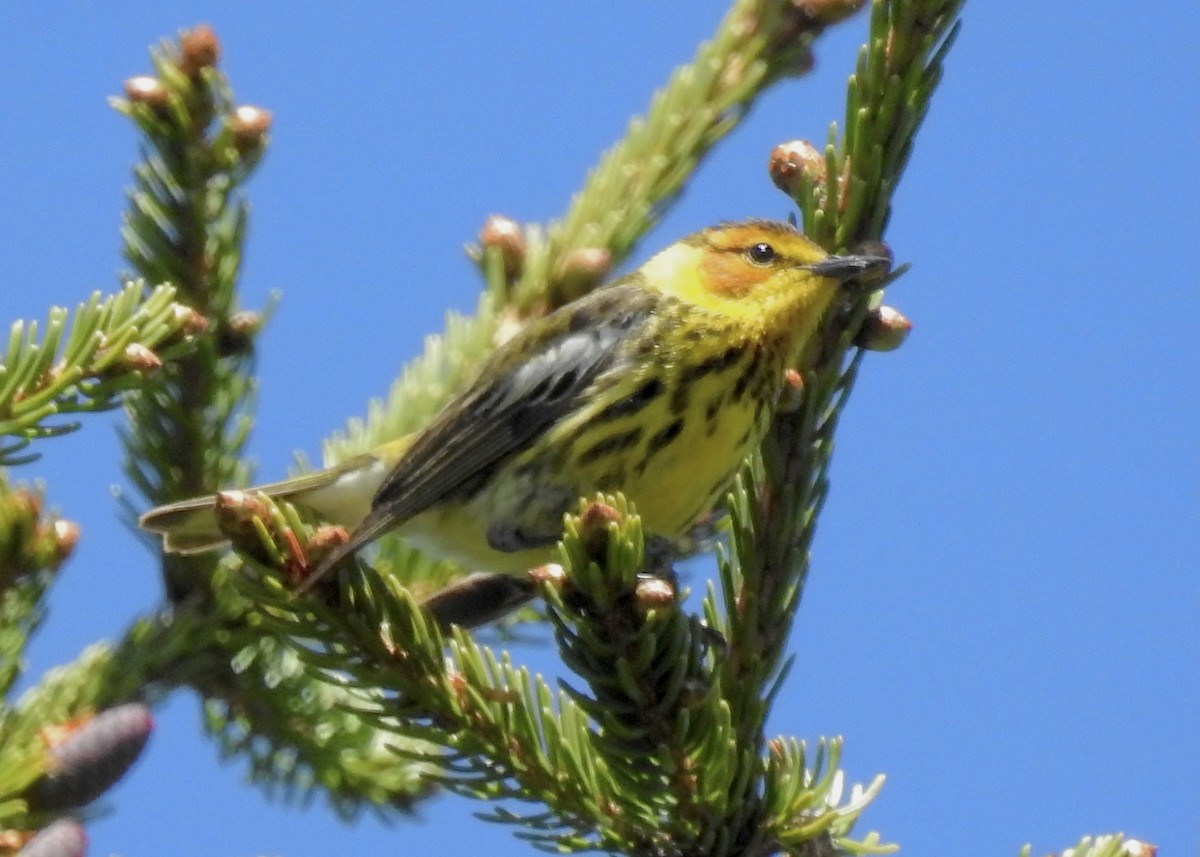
column 754, row 270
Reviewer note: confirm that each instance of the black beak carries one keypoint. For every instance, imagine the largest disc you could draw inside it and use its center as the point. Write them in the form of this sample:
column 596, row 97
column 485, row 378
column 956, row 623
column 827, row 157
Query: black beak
column 851, row 268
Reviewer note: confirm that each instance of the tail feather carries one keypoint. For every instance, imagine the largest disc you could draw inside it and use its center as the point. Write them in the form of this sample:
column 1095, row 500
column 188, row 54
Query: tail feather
column 190, row 526
column 187, row 527
column 340, row 495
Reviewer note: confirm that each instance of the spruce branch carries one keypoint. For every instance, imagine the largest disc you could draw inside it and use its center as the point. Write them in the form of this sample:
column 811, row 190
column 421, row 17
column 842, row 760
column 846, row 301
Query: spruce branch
column 186, row 225
column 430, row 382
column 36, row 776
column 474, row 722
column 620, row 628
column 775, row 507
column 32, row 547
column 610, row 764
column 81, row 362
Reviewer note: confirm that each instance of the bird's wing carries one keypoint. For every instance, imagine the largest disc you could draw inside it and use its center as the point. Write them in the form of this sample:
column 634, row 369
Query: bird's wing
column 526, row 386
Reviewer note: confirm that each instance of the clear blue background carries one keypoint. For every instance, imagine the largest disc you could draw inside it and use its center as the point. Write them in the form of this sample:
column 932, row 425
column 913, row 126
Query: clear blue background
column 1003, row 610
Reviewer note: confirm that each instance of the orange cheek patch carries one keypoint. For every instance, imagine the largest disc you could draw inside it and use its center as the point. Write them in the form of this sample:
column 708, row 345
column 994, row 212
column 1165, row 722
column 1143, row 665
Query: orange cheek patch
column 730, row 275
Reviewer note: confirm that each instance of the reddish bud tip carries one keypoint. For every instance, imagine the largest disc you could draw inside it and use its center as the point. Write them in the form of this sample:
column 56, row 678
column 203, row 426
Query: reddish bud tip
column 145, row 89
column 140, row 358
column 654, row 593
column 505, row 235
column 884, row 329
column 199, row 48
column 584, row 267
column 236, row 335
column 551, row 573
column 66, row 537
column 793, row 392
column 237, row 511
column 250, row 126
column 1137, row 848
column 190, row 322
column 247, row 322
column 325, row 538
column 795, row 165
column 594, row 525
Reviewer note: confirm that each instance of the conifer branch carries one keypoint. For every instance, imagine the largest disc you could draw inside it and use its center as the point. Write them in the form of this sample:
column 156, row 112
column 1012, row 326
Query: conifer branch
column 84, row 360
column 776, row 505
column 32, row 547
column 185, row 225
column 609, row 765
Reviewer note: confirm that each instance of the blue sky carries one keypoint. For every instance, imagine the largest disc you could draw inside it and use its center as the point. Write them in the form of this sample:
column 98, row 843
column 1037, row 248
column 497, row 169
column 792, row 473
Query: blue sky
column 1003, row 612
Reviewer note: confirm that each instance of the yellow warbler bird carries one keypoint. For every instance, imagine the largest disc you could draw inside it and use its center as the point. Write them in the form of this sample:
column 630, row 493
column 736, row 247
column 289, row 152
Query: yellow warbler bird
column 657, row 386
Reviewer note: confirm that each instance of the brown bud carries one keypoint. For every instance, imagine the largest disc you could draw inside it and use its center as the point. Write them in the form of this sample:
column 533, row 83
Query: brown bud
column 594, row 525
column 190, row 322
column 504, row 234
column 795, row 165
column 299, row 562
column 12, row 840
column 61, row 838
column 551, row 573
column 237, row 511
column 140, row 358
column 654, row 593
column 1137, row 848
column 147, row 90
column 66, row 537
column 327, row 537
column 199, row 48
column 246, row 323
column 92, row 757
column 884, row 329
column 793, row 392
column 185, row 323
column 828, row 11
column 236, row 335
column 583, row 268
column 250, row 126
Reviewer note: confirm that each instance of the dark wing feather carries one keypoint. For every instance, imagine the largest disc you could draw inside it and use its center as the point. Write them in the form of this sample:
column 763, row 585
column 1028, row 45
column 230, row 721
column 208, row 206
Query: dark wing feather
column 525, row 387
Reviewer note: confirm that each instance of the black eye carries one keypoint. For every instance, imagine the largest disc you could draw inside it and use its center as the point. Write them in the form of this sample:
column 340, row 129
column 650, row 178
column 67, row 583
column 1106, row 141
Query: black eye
column 761, row 254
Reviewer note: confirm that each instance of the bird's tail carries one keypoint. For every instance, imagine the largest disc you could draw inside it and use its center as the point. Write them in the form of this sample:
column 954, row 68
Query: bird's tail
column 341, row 494
column 186, row 527
column 191, row 526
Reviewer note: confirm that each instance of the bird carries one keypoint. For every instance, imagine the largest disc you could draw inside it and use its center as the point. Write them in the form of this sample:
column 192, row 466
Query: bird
column 657, row 385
